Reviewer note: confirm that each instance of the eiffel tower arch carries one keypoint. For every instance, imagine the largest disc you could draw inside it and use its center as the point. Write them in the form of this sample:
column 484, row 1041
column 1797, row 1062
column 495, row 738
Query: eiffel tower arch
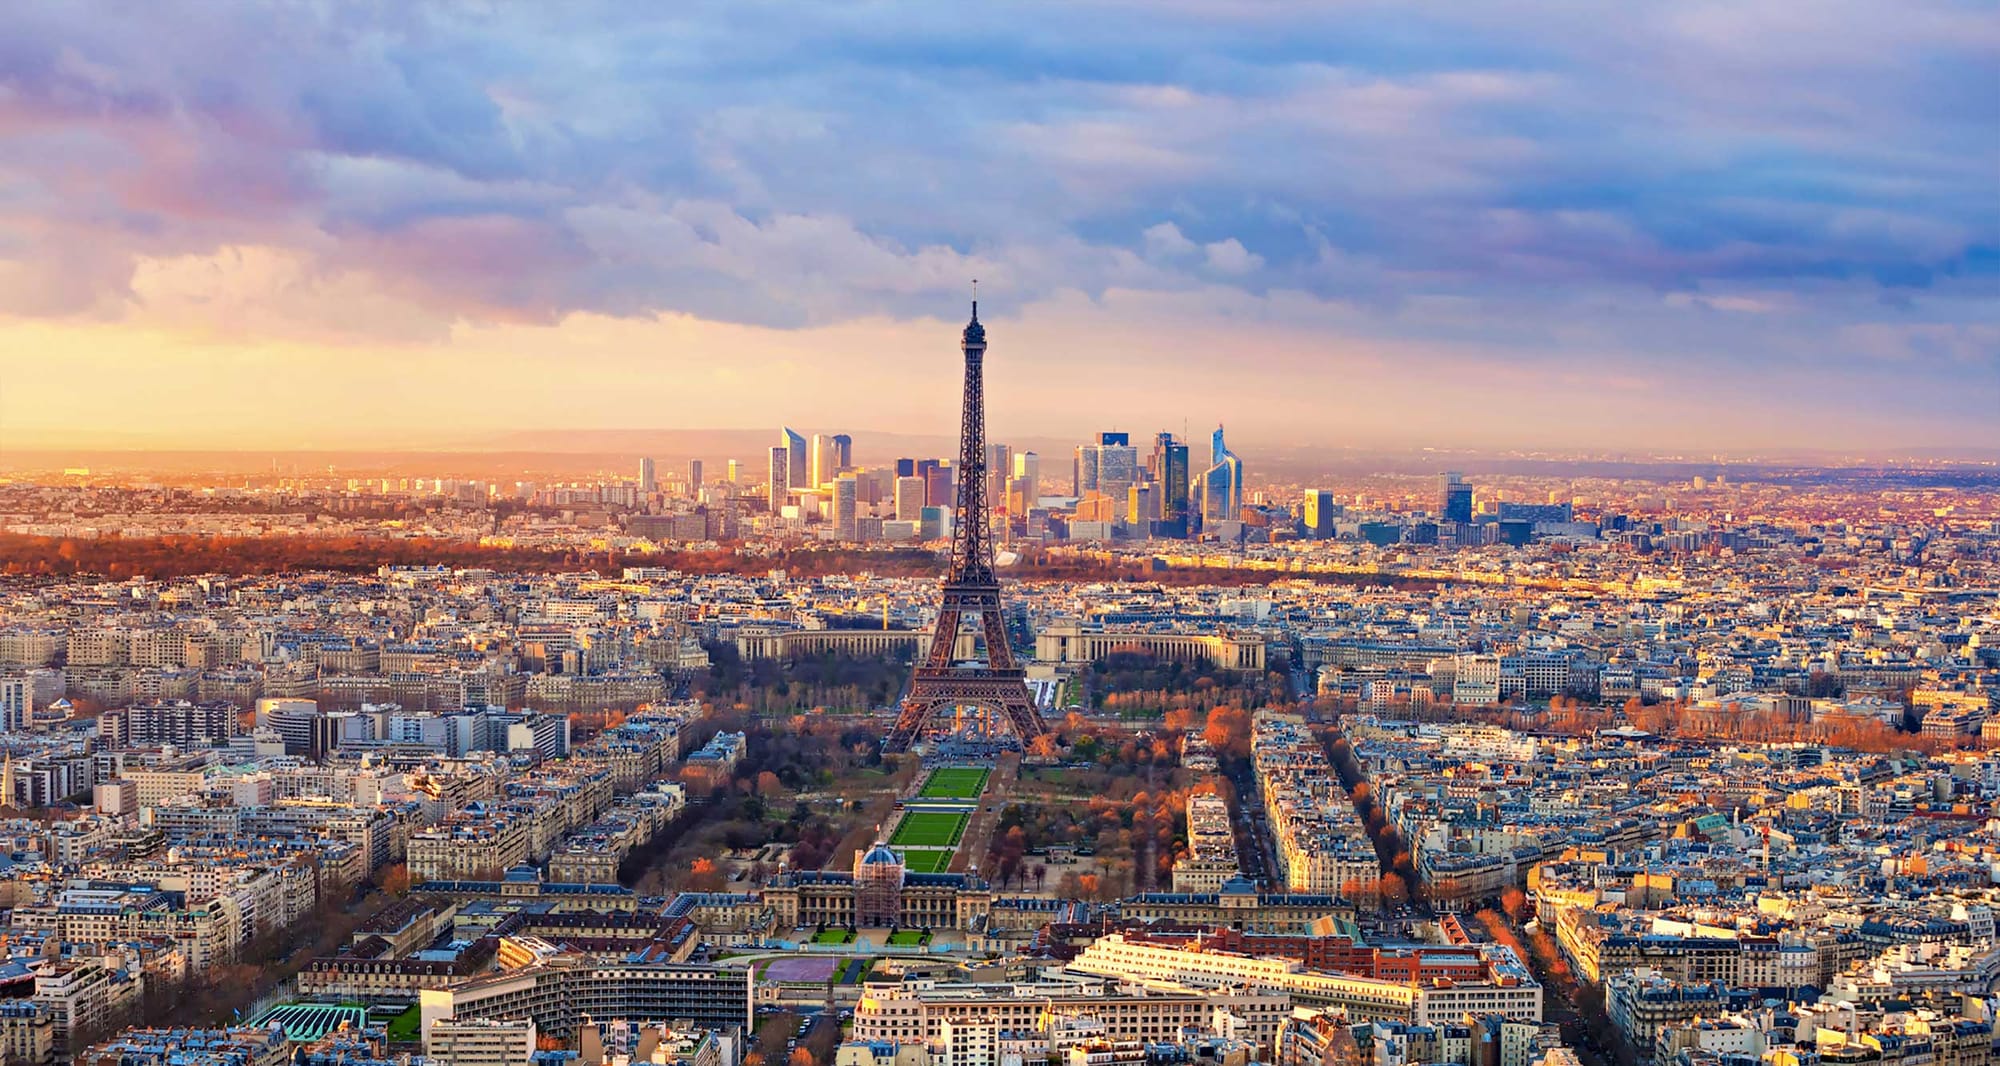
column 992, row 694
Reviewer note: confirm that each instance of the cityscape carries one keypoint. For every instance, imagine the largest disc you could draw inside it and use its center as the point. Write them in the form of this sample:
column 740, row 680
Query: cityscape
column 524, row 543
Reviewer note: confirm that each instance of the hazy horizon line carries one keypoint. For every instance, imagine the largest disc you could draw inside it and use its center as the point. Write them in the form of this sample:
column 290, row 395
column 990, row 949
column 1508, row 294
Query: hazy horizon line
column 580, row 442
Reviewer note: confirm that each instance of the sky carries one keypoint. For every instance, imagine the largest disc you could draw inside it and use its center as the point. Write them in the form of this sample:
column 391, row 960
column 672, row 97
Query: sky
column 1696, row 225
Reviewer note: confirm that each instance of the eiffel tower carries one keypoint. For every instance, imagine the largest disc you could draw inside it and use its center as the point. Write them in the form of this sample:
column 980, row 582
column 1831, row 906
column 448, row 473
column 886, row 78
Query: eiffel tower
column 998, row 688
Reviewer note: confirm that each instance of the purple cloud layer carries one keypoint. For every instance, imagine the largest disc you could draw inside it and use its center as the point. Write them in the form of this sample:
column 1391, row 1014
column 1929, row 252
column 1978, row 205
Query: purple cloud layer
column 1689, row 186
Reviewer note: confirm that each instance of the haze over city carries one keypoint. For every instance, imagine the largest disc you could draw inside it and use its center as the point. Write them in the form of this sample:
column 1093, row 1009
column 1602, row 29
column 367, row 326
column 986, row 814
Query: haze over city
column 1710, row 226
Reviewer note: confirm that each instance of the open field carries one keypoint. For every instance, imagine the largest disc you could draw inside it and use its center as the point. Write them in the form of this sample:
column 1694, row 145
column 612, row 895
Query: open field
column 954, row 782
column 926, row 861
column 934, row 829
column 403, row 1027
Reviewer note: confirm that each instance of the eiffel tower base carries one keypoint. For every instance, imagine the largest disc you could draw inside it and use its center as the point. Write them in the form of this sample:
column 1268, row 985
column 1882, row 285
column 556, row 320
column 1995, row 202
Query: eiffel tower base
column 936, row 689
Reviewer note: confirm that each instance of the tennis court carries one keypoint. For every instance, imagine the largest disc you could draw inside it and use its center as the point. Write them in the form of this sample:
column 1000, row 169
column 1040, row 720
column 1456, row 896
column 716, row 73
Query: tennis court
column 955, row 782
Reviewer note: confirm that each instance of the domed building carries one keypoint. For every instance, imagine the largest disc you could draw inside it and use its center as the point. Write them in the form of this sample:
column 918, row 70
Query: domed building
column 878, row 887
column 879, row 893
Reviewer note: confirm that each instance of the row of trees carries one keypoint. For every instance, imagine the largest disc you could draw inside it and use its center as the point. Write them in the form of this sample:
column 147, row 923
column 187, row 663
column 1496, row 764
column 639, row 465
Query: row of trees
column 1146, row 829
column 1571, row 716
column 1539, row 950
column 182, row 555
column 765, row 686
column 1134, row 683
column 1568, row 715
column 1399, row 882
column 760, row 802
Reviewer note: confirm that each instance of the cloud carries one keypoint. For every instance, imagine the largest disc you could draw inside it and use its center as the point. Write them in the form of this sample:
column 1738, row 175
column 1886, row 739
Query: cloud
column 1230, row 257
column 1691, row 185
column 1165, row 241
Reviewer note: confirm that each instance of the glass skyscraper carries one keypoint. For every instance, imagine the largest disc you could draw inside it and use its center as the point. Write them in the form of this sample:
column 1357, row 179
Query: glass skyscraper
column 1170, row 470
column 1221, row 483
column 798, row 470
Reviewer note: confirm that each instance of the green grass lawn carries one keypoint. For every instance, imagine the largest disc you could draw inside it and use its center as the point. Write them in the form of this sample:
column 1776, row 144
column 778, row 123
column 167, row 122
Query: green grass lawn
column 926, row 862
column 954, row 782
column 906, row 938
column 834, row 936
column 403, row 1027
column 938, row 829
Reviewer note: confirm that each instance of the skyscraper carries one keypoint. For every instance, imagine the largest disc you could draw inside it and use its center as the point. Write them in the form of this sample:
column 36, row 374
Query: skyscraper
column 825, row 464
column 735, row 472
column 940, row 488
column 906, row 468
column 1170, row 470
column 797, row 468
column 909, row 499
column 1020, row 498
column 1028, row 467
column 694, row 478
column 1117, row 465
column 843, row 452
column 1143, row 505
column 649, row 479
column 846, row 506
column 1221, row 483
column 780, row 482
column 1320, row 511
column 999, row 466
column 1454, row 498
column 1083, row 478
column 1108, row 464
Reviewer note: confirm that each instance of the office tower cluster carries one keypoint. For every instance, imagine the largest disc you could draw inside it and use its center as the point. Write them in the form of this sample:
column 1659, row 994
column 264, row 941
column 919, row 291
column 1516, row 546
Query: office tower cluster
column 1452, row 515
column 1119, row 494
column 813, row 488
column 649, row 487
column 1116, row 490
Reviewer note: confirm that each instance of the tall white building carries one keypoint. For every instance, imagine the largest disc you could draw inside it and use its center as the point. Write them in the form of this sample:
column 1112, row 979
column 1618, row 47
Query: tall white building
column 649, row 476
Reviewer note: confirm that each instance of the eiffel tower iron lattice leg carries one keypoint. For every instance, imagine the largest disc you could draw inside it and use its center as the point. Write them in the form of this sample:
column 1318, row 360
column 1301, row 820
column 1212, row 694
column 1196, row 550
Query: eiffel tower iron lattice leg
column 998, row 686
